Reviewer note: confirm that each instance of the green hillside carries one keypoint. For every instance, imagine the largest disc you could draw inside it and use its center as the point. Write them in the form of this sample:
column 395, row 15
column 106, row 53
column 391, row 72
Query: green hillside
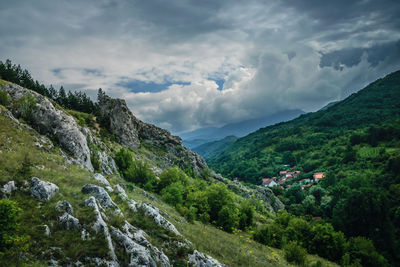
column 356, row 142
column 210, row 149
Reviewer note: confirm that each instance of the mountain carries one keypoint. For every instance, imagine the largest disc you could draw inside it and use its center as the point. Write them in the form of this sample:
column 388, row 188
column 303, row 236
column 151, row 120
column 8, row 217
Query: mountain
column 209, row 134
column 355, row 143
column 109, row 188
column 209, row 150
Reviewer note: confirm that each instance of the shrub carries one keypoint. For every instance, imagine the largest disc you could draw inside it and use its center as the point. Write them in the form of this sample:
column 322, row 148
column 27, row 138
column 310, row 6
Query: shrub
column 170, row 176
column 4, row 100
column 246, row 214
column 228, row 218
column 361, row 250
column 294, row 253
column 139, row 173
column 173, row 194
column 94, row 158
column 9, row 227
column 26, row 105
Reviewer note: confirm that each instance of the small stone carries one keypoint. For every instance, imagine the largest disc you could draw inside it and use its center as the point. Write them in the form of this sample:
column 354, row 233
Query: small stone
column 8, row 188
column 199, row 259
column 47, row 230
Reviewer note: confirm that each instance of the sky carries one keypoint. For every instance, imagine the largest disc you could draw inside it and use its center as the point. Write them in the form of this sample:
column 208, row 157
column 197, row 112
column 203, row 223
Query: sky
column 184, row 65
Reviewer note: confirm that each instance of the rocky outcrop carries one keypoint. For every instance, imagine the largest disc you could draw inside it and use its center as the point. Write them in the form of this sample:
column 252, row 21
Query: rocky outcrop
column 120, row 121
column 100, row 225
column 102, row 180
column 132, row 132
column 8, row 189
column 121, row 192
column 64, row 206
column 101, row 195
column 199, row 259
column 43, row 190
column 139, row 255
column 153, row 212
column 69, row 222
column 53, row 122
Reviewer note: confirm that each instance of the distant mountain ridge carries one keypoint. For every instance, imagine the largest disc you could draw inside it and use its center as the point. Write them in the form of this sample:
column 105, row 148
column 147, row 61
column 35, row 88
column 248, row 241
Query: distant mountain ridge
column 210, row 149
column 239, row 129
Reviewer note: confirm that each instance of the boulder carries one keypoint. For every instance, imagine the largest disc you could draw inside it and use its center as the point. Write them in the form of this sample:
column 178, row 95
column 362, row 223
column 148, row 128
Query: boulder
column 153, row 212
column 101, row 195
column 8, row 188
column 121, row 192
column 64, row 206
column 69, row 222
column 199, row 259
column 53, row 122
column 43, row 190
column 102, row 180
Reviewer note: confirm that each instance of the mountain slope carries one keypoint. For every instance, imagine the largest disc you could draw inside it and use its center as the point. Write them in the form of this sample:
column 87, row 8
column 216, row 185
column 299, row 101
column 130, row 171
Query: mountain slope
column 356, row 142
column 378, row 103
column 209, row 150
column 104, row 216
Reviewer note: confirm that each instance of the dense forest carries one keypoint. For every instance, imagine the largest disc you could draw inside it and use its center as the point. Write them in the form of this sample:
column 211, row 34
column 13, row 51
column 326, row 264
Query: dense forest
column 356, row 142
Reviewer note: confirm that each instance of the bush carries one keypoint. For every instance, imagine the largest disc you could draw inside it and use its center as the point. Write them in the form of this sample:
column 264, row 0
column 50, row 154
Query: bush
column 246, row 214
column 361, row 250
column 9, row 227
column 294, row 253
column 4, row 100
column 228, row 218
column 173, row 194
column 170, row 176
column 139, row 173
column 26, row 105
column 94, row 158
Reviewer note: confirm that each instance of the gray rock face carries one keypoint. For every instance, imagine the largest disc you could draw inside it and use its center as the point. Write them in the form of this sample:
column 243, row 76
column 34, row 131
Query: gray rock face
column 102, row 180
column 64, row 206
column 69, row 222
column 153, row 212
column 101, row 195
column 121, row 121
column 43, row 190
column 139, row 255
column 107, row 163
column 121, row 192
column 131, row 132
column 53, row 122
column 100, row 225
column 8, row 188
column 199, row 259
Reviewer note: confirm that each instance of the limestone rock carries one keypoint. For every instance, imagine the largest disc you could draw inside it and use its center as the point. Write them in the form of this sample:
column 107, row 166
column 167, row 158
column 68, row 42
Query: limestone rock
column 8, row 188
column 102, row 180
column 131, row 132
column 101, row 195
column 99, row 225
column 69, row 222
column 53, row 122
column 153, row 212
column 139, row 255
column 199, row 259
column 47, row 230
column 121, row 121
column 121, row 192
column 64, row 206
column 43, row 190
column 107, row 163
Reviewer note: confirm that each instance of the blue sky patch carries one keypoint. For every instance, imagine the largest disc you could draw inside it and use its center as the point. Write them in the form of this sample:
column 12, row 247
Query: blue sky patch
column 137, row 86
column 220, row 83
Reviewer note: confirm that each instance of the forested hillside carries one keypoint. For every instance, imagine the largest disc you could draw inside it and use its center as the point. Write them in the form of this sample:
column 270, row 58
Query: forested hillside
column 356, row 142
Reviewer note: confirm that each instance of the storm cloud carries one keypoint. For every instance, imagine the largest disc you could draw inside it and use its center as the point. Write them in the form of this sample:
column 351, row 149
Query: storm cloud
column 189, row 64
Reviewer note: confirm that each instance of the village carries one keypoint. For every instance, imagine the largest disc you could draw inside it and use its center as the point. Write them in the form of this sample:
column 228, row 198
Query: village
column 291, row 175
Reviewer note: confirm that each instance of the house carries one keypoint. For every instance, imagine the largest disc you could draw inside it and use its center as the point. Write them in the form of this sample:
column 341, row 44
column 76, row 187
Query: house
column 268, row 182
column 318, row 176
column 282, row 181
column 282, row 173
column 235, row 180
